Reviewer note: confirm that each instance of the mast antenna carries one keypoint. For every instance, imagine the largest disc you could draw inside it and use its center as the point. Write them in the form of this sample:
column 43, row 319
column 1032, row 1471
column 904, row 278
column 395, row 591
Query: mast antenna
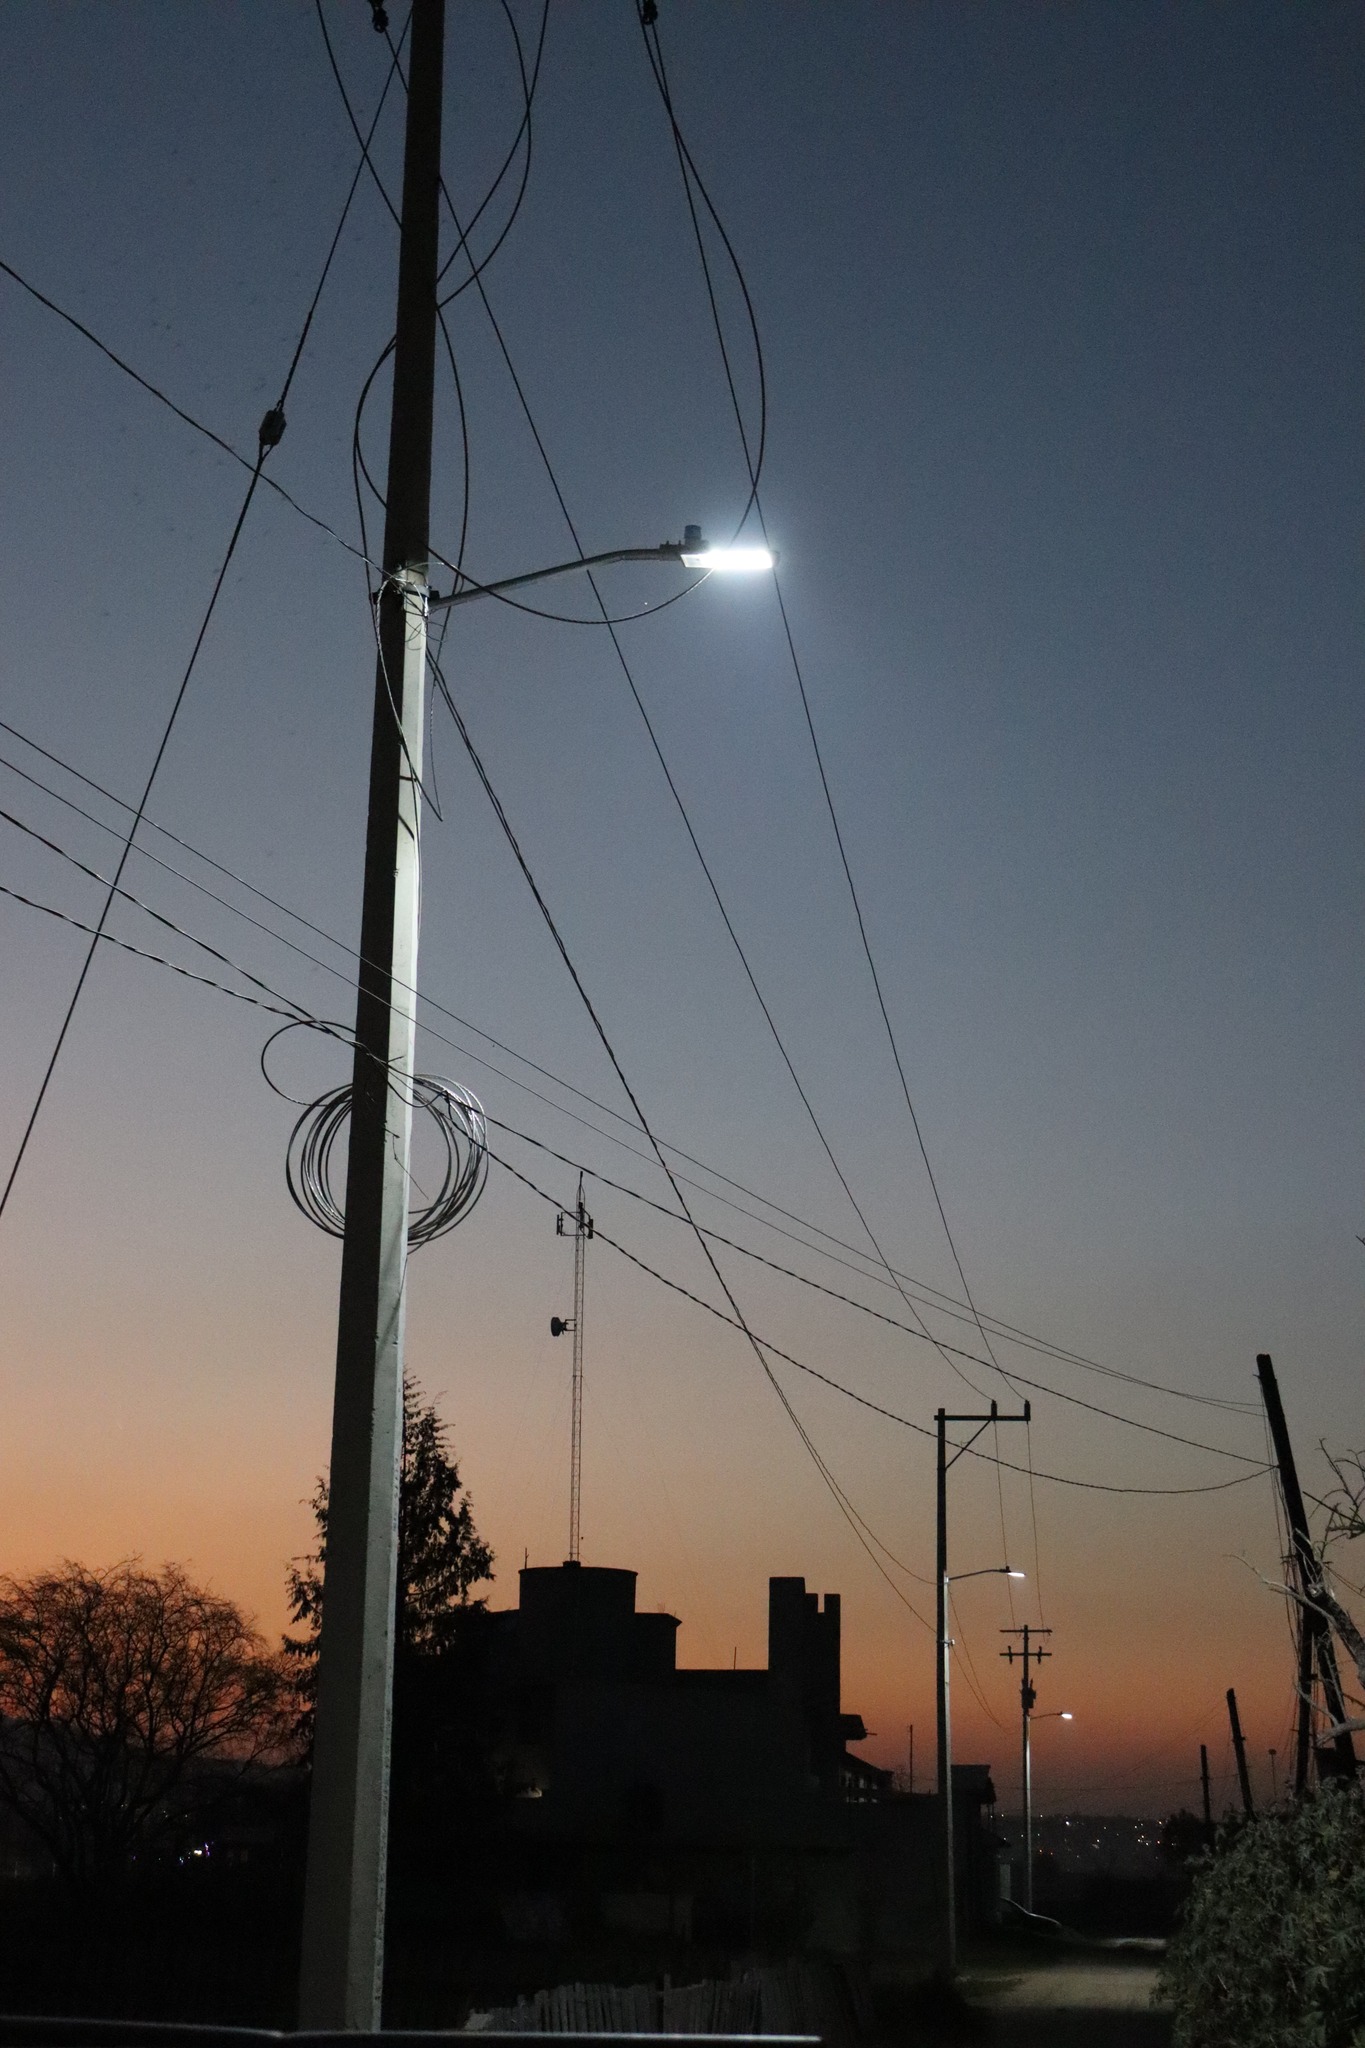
column 582, row 1231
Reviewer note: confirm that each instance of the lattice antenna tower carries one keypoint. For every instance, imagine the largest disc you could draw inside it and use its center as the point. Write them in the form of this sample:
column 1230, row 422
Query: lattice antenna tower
column 582, row 1231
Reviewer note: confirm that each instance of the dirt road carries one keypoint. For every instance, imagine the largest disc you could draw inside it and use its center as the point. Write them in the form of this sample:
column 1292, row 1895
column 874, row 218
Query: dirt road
column 1079, row 2002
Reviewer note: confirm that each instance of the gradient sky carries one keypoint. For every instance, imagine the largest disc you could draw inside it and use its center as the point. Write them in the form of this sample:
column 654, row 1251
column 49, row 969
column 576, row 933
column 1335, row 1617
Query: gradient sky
column 1061, row 315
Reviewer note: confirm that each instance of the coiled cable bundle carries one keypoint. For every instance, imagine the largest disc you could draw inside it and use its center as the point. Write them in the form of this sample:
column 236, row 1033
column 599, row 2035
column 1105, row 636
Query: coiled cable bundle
column 460, row 1122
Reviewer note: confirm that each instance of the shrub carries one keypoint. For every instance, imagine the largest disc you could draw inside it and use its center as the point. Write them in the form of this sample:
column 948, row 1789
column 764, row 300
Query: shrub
column 1271, row 1953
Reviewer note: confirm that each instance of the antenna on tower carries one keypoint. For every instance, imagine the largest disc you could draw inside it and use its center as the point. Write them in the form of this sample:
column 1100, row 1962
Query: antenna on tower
column 558, row 1325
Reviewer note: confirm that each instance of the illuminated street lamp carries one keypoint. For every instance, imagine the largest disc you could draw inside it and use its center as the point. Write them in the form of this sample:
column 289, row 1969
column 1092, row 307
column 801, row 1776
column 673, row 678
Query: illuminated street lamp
column 945, row 1722
column 343, row 1925
column 692, row 551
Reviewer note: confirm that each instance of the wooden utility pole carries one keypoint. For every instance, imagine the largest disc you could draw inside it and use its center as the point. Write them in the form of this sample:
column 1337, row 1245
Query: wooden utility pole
column 1315, row 1631
column 1204, row 1787
column 1240, row 1749
column 343, row 1923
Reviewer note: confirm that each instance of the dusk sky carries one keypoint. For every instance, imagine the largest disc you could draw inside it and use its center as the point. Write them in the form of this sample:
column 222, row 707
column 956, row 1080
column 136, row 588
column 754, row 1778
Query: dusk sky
column 1061, row 325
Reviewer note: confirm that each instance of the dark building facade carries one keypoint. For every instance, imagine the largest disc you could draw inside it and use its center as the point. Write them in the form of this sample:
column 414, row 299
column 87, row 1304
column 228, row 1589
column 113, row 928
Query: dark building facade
column 716, row 1805
column 604, row 1729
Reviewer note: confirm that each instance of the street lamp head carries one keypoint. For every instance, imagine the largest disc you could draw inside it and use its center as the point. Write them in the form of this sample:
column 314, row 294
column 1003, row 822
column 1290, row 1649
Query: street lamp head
column 725, row 561
column 1012, row 1574
column 1066, row 1717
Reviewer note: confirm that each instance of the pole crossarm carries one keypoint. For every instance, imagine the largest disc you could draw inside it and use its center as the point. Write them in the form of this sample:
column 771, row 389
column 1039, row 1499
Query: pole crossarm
column 667, row 551
column 984, row 1422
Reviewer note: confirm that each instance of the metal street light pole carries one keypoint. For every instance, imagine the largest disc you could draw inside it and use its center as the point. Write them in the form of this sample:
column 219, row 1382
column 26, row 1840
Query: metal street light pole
column 948, row 1951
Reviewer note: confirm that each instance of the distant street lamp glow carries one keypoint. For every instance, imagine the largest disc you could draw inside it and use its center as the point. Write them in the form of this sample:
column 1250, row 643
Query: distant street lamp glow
column 730, row 561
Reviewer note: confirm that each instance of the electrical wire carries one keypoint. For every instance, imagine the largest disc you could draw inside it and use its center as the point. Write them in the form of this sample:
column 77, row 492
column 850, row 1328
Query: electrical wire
column 849, row 1301
column 157, row 758
column 280, row 1009
column 605, row 1180
column 736, row 1316
column 753, row 461
column 459, row 1123
column 687, row 822
column 226, row 447
column 296, row 1014
column 270, row 433
column 838, row 1387
column 352, row 955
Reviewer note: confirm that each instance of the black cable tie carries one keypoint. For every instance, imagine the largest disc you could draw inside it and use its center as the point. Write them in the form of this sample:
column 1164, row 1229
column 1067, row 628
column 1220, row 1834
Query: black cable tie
column 272, row 429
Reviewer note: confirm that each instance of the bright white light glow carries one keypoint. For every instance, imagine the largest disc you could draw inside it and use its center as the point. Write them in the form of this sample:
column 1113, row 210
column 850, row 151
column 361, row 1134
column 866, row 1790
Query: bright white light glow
column 1066, row 1717
column 734, row 561
column 1014, row 1575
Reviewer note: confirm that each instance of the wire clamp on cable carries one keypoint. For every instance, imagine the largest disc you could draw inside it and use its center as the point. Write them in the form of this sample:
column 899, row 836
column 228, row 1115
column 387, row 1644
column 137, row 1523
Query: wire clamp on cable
column 271, row 430
column 460, row 1125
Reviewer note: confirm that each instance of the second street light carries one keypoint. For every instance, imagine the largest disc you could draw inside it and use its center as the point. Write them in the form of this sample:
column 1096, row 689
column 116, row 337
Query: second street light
column 945, row 1748
column 944, row 1464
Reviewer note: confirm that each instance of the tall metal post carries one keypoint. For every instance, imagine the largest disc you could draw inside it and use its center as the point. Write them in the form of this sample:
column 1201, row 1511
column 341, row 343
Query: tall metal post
column 1204, row 1785
column 1028, row 1700
column 582, row 1232
column 341, row 1974
column 948, row 1950
column 1315, row 1634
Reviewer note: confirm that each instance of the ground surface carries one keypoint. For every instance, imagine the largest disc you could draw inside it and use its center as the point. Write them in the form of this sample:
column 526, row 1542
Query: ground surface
column 1067, row 2001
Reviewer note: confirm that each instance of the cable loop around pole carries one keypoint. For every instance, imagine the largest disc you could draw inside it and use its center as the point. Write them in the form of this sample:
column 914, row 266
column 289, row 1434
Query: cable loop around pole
column 459, row 1119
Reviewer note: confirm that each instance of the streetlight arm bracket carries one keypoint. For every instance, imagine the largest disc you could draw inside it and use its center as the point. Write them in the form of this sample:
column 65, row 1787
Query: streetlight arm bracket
column 668, row 551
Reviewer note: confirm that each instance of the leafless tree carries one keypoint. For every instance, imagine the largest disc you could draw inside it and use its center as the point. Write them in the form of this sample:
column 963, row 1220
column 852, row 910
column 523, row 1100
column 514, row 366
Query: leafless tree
column 1345, row 1506
column 114, row 1686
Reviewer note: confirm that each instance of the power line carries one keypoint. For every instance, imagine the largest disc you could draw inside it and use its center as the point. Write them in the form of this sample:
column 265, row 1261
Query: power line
column 862, row 1400
column 682, row 808
column 753, row 463
column 736, row 1317
column 284, row 1006
column 162, row 745
column 849, row 1301
column 271, row 432
column 189, row 419
column 604, row 1180
column 351, row 953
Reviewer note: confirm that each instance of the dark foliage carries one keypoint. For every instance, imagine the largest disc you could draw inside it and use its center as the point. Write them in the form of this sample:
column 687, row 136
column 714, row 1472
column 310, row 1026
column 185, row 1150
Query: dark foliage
column 442, row 1777
column 119, row 1691
column 441, row 1556
column 1272, row 1950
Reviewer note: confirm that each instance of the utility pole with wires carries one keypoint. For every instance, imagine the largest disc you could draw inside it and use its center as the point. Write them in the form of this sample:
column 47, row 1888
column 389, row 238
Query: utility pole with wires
column 942, row 1586
column 341, row 1971
column 1314, row 1629
column 1028, row 1700
column 558, row 1325
column 1240, row 1752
